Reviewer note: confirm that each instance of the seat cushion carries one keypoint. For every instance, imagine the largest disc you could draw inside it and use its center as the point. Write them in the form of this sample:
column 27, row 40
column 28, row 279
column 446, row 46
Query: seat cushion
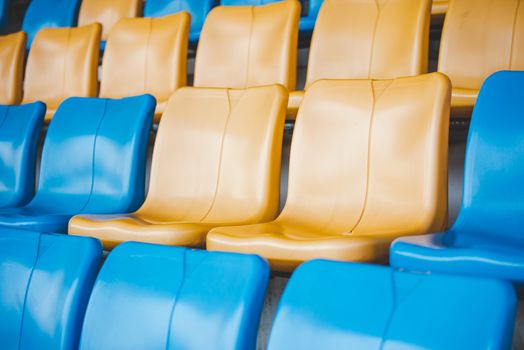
column 46, row 283
column 158, row 297
column 433, row 253
column 115, row 229
column 334, row 305
column 35, row 219
column 286, row 246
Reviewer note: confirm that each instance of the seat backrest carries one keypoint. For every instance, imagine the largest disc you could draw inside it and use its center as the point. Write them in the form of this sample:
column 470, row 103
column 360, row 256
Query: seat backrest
column 370, row 39
column 107, row 13
column 313, row 8
column 3, row 13
column 62, row 63
column 217, row 156
column 165, row 297
column 146, row 55
column 48, row 14
column 50, row 278
column 94, row 155
column 336, row 305
column 493, row 195
column 12, row 55
column 19, row 131
column 246, row 2
column 245, row 46
column 479, row 38
column 371, row 156
column 198, row 9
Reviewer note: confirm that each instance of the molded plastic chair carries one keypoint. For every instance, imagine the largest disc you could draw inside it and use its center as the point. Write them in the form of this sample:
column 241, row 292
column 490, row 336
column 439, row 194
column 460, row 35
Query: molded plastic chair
column 216, row 162
column 146, row 55
column 93, row 161
column 49, row 14
column 333, row 305
column 486, row 239
column 159, row 297
column 62, row 63
column 246, row 46
column 19, row 131
column 368, row 164
column 479, row 38
column 355, row 39
column 3, row 14
column 198, row 9
column 439, row 7
column 46, row 283
column 12, row 55
column 107, row 13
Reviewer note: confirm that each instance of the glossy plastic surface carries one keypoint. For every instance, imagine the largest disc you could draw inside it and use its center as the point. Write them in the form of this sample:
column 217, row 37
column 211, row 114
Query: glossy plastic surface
column 198, row 9
column 48, row 14
column 3, row 14
column 479, row 38
column 93, row 161
column 62, row 63
column 216, row 162
column 246, row 46
column 46, row 283
column 487, row 237
column 12, row 56
column 339, row 306
column 359, row 177
column 19, row 131
column 159, row 297
column 146, row 56
column 356, row 39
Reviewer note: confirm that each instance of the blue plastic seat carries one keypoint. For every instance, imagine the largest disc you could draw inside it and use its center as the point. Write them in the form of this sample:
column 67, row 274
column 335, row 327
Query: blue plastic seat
column 159, row 297
column 487, row 239
column 336, row 305
column 46, row 283
column 19, row 130
column 307, row 22
column 198, row 9
column 49, row 13
column 93, row 161
column 3, row 14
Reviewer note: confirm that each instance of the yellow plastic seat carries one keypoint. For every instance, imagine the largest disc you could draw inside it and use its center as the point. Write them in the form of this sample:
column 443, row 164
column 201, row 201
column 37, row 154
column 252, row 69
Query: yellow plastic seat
column 246, row 46
column 479, row 38
column 439, row 7
column 368, row 163
column 367, row 39
column 107, row 13
column 146, row 55
column 216, row 162
column 62, row 63
column 12, row 54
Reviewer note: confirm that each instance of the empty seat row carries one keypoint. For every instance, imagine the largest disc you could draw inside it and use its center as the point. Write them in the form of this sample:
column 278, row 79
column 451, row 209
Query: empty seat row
column 258, row 47
column 158, row 297
column 359, row 178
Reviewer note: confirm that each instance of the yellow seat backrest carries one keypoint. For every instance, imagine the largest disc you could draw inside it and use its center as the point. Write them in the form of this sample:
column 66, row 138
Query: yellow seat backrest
column 146, row 55
column 370, row 157
column 62, row 62
column 12, row 53
column 217, row 156
column 107, row 13
column 245, row 46
column 369, row 39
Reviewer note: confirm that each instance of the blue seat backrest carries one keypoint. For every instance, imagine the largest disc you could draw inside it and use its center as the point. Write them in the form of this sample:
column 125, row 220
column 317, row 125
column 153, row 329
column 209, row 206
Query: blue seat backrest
column 313, row 8
column 336, row 305
column 49, row 13
column 165, row 297
column 94, row 156
column 493, row 196
column 3, row 14
column 19, row 130
column 46, row 283
column 198, row 9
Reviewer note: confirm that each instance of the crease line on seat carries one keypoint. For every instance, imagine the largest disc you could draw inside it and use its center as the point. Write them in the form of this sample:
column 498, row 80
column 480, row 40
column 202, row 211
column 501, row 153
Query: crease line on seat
column 35, row 261
column 513, row 34
column 94, row 157
column 4, row 116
